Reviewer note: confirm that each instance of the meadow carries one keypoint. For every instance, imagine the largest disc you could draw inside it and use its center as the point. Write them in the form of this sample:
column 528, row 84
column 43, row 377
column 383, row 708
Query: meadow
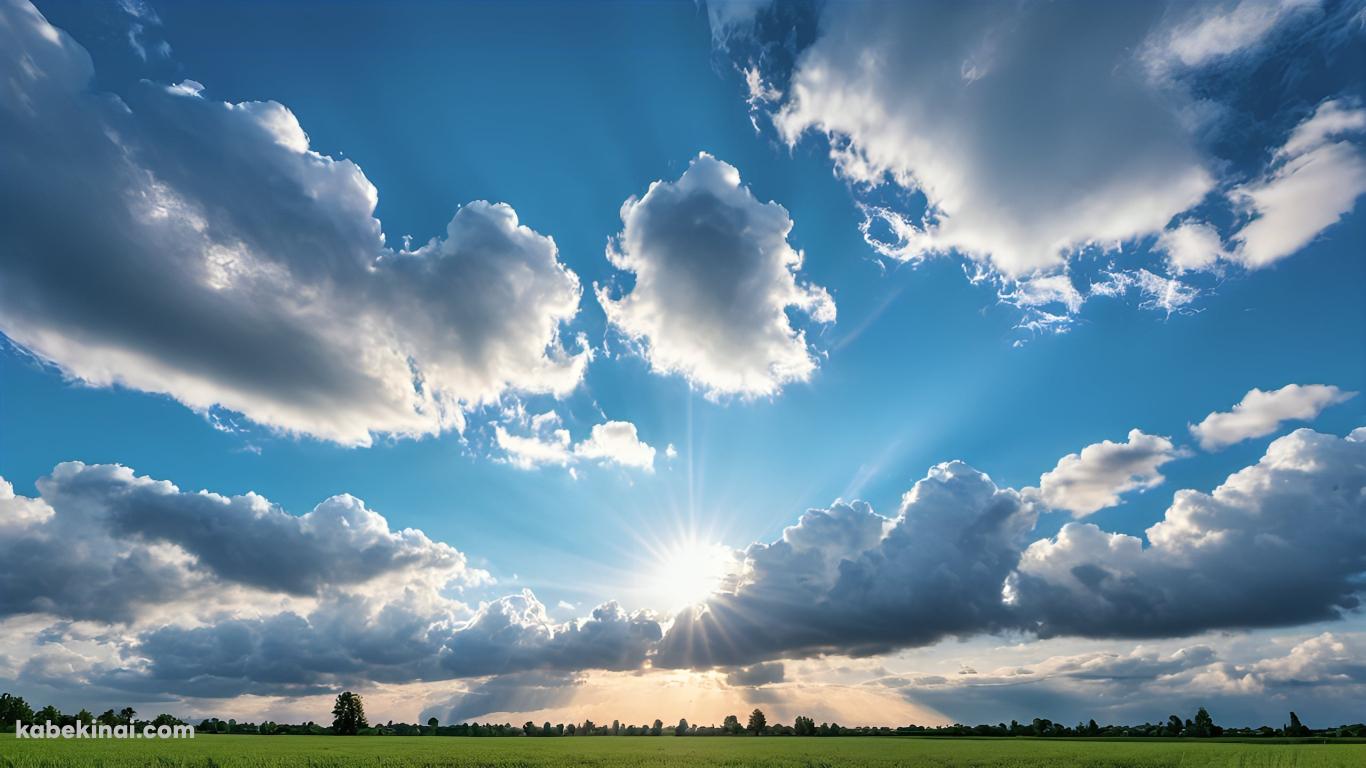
column 667, row 752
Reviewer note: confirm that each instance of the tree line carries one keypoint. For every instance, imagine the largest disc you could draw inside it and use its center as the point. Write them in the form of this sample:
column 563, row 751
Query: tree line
column 349, row 719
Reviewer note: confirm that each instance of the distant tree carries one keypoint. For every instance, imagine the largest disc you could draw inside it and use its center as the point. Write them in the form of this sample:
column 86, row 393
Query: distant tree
column 616, row 727
column 1174, row 726
column 1296, row 728
column 657, row 728
column 569, row 729
column 13, row 709
column 757, row 722
column 731, row 724
column 546, row 730
column 127, row 714
column 682, row 728
column 1203, row 727
column 804, row 726
column 587, row 728
column 1092, row 729
column 49, row 714
column 348, row 714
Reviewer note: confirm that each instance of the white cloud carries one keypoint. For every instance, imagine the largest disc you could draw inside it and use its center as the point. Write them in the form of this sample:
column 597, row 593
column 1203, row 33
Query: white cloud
column 714, row 280
column 616, row 442
column 1217, row 30
column 1083, row 483
column 1315, row 180
column 611, row 442
column 176, row 244
column 1191, row 245
column 1261, row 413
column 1026, row 145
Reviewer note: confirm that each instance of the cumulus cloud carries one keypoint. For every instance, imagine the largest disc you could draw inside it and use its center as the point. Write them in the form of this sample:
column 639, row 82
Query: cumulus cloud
column 106, row 544
column 1278, row 543
column 611, row 442
column 1261, row 413
column 715, row 278
column 1019, row 166
column 1094, row 479
column 1315, row 180
column 1191, row 245
column 201, row 595
column 171, row 243
column 846, row 580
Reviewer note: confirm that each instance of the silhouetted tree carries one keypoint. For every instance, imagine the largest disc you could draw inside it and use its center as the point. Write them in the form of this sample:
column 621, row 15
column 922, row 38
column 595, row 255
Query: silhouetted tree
column 657, row 728
column 1296, row 728
column 757, row 722
column 1203, row 727
column 731, row 724
column 348, row 714
column 682, row 728
column 127, row 714
column 804, row 726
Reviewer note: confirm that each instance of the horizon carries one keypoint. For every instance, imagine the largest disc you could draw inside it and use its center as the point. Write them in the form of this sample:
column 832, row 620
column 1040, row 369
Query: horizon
column 877, row 363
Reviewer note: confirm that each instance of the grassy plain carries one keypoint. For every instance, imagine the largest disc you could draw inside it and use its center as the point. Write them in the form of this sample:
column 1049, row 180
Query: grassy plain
column 669, row 752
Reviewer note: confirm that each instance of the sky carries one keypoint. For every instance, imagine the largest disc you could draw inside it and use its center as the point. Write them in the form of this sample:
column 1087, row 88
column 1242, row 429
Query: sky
column 881, row 363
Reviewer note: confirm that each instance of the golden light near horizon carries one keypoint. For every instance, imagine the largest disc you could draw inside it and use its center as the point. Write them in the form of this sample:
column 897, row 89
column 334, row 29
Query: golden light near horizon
column 689, row 571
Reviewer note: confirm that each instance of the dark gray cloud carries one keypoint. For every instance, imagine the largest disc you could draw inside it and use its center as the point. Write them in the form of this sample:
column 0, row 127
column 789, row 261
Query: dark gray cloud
column 517, row 692
column 100, row 553
column 1278, row 543
column 351, row 640
column 757, row 675
column 171, row 243
column 836, row 583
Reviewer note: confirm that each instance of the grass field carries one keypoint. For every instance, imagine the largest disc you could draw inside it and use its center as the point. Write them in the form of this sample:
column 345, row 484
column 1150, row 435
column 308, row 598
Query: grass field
column 621, row 752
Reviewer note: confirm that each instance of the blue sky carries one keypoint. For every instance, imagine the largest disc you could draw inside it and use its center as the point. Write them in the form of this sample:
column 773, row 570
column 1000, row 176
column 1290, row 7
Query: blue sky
column 565, row 112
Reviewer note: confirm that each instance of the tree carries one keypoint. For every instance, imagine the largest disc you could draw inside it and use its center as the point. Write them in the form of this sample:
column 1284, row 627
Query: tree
column 657, row 728
column 432, row 723
column 127, row 714
column 1296, row 728
column 804, row 726
column 348, row 714
column 49, row 714
column 682, row 728
column 1204, row 724
column 757, row 722
column 13, row 709
column 731, row 724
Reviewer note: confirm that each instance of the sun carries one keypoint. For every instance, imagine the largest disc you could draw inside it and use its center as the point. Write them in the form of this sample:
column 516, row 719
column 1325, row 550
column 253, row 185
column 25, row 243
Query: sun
column 688, row 572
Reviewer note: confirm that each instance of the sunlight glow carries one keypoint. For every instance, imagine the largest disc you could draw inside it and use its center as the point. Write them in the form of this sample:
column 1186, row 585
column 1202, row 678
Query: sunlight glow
column 688, row 572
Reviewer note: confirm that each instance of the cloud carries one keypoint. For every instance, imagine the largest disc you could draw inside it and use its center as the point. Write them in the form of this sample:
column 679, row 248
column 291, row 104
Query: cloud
column 171, row 243
column 1261, row 413
column 1313, row 182
column 848, row 581
column 1278, row 543
column 207, row 596
column 517, row 692
column 616, row 442
column 1026, row 145
column 611, row 442
column 714, row 280
column 1214, row 31
column 757, row 675
column 113, row 544
column 1094, row 479
column 1191, row 245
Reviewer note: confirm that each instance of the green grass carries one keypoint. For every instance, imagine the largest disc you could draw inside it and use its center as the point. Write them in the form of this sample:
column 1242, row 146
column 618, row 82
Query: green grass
column 629, row 752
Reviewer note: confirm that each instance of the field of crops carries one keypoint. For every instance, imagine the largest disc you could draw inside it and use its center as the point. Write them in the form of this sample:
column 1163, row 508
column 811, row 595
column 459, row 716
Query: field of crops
column 403, row 752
